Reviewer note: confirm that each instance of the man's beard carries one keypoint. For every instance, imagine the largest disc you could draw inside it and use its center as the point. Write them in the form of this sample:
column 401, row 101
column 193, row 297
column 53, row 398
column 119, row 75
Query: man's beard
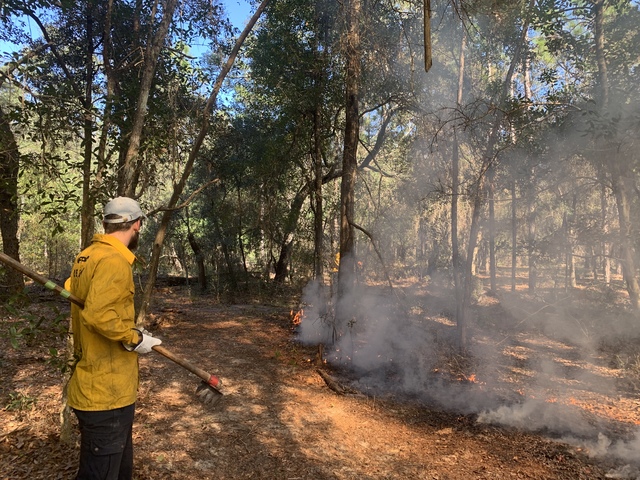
column 133, row 243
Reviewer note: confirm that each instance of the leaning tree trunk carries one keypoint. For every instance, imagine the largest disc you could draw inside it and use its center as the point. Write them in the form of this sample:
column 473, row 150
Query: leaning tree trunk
column 290, row 225
column 127, row 181
column 195, row 149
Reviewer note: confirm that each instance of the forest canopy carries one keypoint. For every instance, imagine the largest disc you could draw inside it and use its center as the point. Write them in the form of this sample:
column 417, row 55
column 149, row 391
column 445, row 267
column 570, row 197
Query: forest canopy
column 316, row 146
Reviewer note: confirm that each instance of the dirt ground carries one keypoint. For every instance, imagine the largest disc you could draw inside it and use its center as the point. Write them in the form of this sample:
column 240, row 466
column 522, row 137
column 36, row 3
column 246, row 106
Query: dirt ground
column 279, row 418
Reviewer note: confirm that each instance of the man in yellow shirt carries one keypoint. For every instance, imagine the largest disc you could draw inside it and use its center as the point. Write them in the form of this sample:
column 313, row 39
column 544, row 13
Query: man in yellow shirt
column 102, row 390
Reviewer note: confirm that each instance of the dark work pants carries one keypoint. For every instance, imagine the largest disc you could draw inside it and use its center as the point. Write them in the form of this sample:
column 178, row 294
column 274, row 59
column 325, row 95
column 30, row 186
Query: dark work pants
column 106, row 448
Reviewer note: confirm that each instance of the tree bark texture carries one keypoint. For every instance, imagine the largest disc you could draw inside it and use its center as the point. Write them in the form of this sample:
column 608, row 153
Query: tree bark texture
column 88, row 202
column 9, row 216
column 346, row 269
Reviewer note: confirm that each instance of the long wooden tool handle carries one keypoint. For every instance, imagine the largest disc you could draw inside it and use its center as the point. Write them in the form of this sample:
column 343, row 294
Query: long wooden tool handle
column 7, row 260
column 208, row 378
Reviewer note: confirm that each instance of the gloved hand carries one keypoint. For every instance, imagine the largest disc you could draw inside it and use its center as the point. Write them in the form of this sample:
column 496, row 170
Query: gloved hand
column 147, row 341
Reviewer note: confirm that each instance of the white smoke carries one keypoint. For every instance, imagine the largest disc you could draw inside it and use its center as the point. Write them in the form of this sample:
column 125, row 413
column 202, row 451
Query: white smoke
column 388, row 346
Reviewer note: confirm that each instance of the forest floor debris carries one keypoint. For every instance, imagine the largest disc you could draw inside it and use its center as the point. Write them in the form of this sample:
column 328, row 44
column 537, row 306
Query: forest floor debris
column 278, row 418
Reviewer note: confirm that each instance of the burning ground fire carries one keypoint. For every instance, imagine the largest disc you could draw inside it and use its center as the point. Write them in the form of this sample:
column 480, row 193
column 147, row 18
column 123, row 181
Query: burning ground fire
column 531, row 384
column 296, row 317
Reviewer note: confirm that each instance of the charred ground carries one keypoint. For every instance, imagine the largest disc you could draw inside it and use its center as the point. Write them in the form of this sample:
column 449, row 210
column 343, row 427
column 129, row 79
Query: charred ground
column 280, row 419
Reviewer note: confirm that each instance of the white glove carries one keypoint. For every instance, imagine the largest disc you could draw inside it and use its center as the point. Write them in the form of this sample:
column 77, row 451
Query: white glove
column 147, row 341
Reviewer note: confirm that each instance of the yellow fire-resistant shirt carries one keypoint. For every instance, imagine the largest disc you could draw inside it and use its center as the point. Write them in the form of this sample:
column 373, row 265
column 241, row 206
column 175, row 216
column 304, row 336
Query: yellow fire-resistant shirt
column 106, row 374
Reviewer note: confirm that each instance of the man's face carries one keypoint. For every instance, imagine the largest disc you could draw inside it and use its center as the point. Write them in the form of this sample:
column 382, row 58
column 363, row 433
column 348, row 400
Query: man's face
column 133, row 243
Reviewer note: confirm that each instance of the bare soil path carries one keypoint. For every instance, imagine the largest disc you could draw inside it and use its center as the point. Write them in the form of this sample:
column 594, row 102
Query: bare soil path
column 277, row 420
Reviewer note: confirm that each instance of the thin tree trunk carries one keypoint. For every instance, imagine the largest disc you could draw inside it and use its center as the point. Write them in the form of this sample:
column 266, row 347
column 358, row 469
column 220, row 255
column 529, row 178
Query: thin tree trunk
column 455, row 187
column 514, row 236
column 531, row 242
column 318, row 248
column 231, row 272
column 317, row 200
column 492, row 230
column 479, row 193
column 604, row 245
column 202, row 272
column 127, row 183
column 618, row 168
column 603, row 76
column 88, row 203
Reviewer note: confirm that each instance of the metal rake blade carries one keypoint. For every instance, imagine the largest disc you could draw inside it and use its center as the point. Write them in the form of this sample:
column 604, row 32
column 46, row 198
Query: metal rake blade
column 208, row 395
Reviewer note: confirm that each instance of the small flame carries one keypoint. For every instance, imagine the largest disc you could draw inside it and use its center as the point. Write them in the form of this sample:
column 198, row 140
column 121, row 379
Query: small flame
column 296, row 317
column 473, row 379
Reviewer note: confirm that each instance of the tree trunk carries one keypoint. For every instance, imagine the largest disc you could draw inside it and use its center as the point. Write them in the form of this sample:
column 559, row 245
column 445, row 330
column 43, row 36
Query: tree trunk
column 88, row 202
column 618, row 167
column 282, row 265
column 317, row 200
column 479, row 193
column 318, row 247
column 621, row 189
column 492, row 230
column 604, row 245
column 346, row 269
column 603, row 76
column 202, row 272
column 570, row 267
column 455, row 187
column 9, row 167
column 231, row 271
column 514, row 236
column 531, row 242
column 469, row 276
column 290, row 225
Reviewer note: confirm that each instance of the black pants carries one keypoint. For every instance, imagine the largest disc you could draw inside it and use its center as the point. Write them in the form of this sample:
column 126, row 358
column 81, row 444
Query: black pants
column 106, row 448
